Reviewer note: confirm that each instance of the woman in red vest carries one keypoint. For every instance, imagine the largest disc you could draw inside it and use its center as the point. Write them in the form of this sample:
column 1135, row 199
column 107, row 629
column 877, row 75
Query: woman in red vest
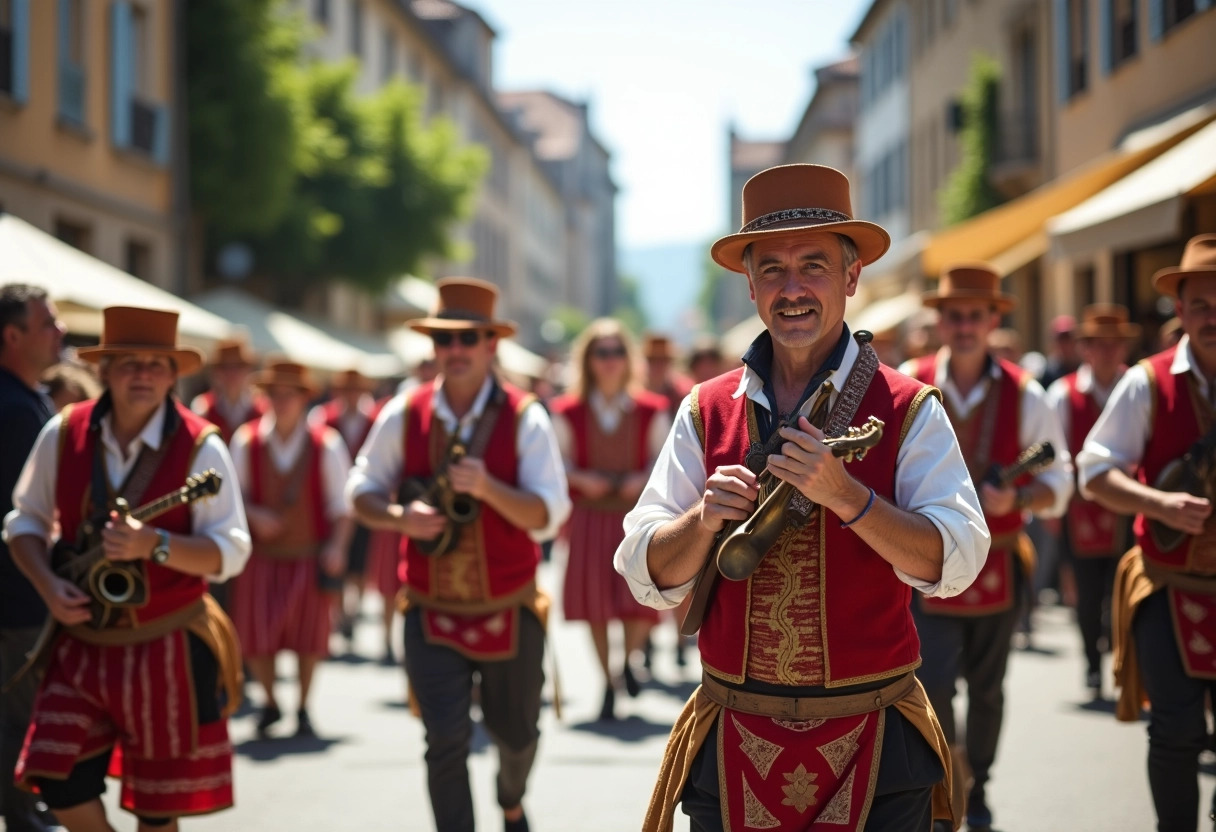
column 610, row 431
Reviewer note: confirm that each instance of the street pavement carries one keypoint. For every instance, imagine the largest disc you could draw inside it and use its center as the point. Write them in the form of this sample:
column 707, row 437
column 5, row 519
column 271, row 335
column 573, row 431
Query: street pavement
column 1064, row 763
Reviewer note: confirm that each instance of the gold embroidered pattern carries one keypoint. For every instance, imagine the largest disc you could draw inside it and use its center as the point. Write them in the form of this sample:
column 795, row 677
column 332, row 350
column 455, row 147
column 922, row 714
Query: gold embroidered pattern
column 799, row 725
column 1193, row 612
column 840, row 807
column 755, row 816
column 800, row 793
column 839, row 752
column 1199, row 644
column 759, row 751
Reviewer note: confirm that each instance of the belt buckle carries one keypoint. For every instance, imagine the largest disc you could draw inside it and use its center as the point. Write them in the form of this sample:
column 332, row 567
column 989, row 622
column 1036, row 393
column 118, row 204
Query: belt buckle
column 790, row 706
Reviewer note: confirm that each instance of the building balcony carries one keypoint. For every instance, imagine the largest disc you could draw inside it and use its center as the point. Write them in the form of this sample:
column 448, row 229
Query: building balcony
column 71, row 93
column 1017, row 157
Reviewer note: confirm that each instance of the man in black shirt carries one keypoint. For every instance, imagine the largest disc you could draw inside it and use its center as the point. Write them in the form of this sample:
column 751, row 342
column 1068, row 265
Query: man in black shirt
column 31, row 338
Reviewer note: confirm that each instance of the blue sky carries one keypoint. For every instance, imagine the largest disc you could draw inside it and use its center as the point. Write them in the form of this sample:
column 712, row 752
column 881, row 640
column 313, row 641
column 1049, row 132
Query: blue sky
column 664, row 79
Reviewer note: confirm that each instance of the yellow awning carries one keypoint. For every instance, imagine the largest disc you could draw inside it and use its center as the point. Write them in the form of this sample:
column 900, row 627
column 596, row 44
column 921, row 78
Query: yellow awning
column 1004, row 228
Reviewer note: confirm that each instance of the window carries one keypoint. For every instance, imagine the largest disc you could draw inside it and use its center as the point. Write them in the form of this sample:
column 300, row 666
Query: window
column 71, row 62
column 1122, row 31
column 949, row 7
column 141, row 56
column 320, row 11
column 1078, row 42
column 74, row 234
column 139, row 259
column 1177, row 11
column 388, row 56
column 356, row 27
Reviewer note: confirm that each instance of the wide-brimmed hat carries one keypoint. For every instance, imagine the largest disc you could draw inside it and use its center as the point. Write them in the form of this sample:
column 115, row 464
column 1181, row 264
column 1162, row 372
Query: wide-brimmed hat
column 127, row 329
column 232, row 352
column 1107, row 320
column 464, row 303
column 657, row 345
column 790, row 198
column 287, row 374
column 351, row 380
column 970, row 281
column 1198, row 258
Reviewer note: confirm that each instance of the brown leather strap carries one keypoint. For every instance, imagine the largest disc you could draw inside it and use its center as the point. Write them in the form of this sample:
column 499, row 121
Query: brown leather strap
column 1186, row 581
column 811, row 707
column 156, row 628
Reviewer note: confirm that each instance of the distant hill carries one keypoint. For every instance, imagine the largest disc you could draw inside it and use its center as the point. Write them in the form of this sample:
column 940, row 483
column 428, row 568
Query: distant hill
column 669, row 278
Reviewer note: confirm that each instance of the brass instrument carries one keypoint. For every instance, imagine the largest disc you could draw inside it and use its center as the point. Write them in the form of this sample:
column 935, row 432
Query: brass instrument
column 117, row 585
column 1190, row 474
column 460, row 509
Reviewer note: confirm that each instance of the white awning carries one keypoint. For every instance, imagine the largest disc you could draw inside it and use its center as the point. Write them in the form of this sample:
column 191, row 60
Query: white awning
column 83, row 285
column 1143, row 208
column 885, row 314
column 313, row 343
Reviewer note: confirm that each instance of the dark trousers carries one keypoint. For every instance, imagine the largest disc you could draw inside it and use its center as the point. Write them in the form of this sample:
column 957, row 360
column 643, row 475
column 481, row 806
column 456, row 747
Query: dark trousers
column 908, row 769
column 442, row 683
column 1095, row 577
column 975, row 648
column 1177, row 729
column 17, row 805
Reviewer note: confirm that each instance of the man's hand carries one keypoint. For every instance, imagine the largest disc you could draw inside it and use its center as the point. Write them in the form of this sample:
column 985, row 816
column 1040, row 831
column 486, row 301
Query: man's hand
column 125, row 538
column 67, row 603
column 469, row 476
column 421, row 521
column 333, row 560
column 1184, row 512
column 998, row 500
column 730, row 495
column 811, row 467
column 266, row 524
column 592, row 484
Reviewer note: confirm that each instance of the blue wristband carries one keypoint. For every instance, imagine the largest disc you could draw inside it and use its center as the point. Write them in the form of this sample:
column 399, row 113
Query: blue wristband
column 864, row 511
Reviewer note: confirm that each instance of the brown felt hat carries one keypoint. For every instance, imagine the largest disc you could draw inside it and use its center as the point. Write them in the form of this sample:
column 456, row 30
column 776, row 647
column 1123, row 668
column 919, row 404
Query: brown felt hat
column 970, row 281
column 464, row 303
column 127, row 329
column 656, row 345
column 232, row 352
column 1107, row 320
column 351, row 380
column 1198, row 258
column 798, row 198
column 287, row 374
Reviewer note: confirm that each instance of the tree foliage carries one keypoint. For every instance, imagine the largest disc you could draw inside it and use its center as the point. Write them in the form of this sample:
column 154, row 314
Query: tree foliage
column 969, row 190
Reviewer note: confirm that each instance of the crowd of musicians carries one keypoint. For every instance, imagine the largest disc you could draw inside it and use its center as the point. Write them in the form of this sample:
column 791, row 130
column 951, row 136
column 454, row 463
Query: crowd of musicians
column 849, row 528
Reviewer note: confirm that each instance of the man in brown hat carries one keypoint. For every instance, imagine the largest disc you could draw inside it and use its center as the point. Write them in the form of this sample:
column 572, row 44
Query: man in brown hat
column 659, row 352
column 231, row 401
column 476, row 607
column 159, row 680
column 1093, row 538
column 1164, row 618
column 292, row 475
column 997, row 411
column 808, row 712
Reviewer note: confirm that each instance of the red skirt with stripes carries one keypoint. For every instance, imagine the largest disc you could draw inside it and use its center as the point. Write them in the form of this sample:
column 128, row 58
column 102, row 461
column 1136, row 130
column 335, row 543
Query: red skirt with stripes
column 384, row 562
column 593, row 591
column 278, row 605
column 140, row 698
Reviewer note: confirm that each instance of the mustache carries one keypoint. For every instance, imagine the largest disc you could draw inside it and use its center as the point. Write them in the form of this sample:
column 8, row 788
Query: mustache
column 782, row 305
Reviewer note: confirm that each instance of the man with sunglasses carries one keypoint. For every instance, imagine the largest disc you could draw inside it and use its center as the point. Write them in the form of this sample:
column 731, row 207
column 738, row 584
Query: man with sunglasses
column 997, row 411
column 476, row 607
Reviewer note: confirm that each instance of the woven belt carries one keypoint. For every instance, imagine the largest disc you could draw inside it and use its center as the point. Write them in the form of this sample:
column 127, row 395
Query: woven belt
column 807, row 707
column 1185, row 581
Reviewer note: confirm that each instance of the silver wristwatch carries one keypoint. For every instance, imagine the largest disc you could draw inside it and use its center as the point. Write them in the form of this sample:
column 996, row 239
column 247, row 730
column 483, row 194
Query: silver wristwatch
column 160, row 554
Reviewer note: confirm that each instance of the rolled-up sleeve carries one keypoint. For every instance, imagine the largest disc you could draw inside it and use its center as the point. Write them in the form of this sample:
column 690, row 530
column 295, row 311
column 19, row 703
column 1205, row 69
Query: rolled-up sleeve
column 222, row 517
column 1039, row 424
column 378, row 465
column 1118, row 438
column 931, row 479
column 541, row 469
column 676, row 483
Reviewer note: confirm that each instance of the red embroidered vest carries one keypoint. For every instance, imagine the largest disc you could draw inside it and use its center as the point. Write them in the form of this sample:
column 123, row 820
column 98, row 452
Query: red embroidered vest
column 1092, row 530
column 505, row 556
column 1177, row 424
column 257, row 409
column 823, row 608
column 306, row 519
column 168, row 589
column 625, row 450
column 333, row 410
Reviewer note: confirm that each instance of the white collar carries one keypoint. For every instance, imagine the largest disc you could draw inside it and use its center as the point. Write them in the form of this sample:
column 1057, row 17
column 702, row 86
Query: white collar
column 941, row 368
column 444, row 410
column 1184, row 359
column 150, row 436
column 752, row 386
column 266, row 429
column 621, row 402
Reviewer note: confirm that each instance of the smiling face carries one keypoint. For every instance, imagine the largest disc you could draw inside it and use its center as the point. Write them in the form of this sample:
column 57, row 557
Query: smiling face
column 139, row 381
column 800, row 282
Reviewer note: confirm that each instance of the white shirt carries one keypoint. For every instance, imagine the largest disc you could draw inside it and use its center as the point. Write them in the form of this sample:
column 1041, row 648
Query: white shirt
column 1037, row 422
column 351, row 422
column 931, row 479
column 1060, row 401
column 541, row 472
column 335, row 459
column 220, row 518
column 608, row 414
column 233, row 413
column 1121, row 432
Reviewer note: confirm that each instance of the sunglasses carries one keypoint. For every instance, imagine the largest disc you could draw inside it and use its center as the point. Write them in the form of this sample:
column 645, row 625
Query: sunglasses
column 467, row 337
column 606, row 353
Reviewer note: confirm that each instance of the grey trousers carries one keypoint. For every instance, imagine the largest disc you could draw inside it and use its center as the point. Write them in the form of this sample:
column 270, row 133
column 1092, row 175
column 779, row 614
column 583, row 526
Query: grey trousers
column 18, row 807
column 442, row 683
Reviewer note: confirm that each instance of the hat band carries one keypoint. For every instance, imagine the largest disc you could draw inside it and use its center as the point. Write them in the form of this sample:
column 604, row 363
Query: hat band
column 461, row 315
column 821, row 214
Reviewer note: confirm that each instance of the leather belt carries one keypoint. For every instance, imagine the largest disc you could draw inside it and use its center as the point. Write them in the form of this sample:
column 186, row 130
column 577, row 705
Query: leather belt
column 807, row 707
column 1185, row 581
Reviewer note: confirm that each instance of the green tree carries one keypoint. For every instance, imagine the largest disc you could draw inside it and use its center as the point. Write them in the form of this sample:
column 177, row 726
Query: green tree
column 969, row 190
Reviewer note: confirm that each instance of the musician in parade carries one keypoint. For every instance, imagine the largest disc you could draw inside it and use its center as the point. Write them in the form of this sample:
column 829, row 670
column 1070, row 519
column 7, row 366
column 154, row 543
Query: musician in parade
column 610, row 432
column 231, row 401
column 997, row 411
column 293, row 476
column 483, row 502
column 808, row 711
column 1149, row 455
column 1093, row 537
column 164, row 729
